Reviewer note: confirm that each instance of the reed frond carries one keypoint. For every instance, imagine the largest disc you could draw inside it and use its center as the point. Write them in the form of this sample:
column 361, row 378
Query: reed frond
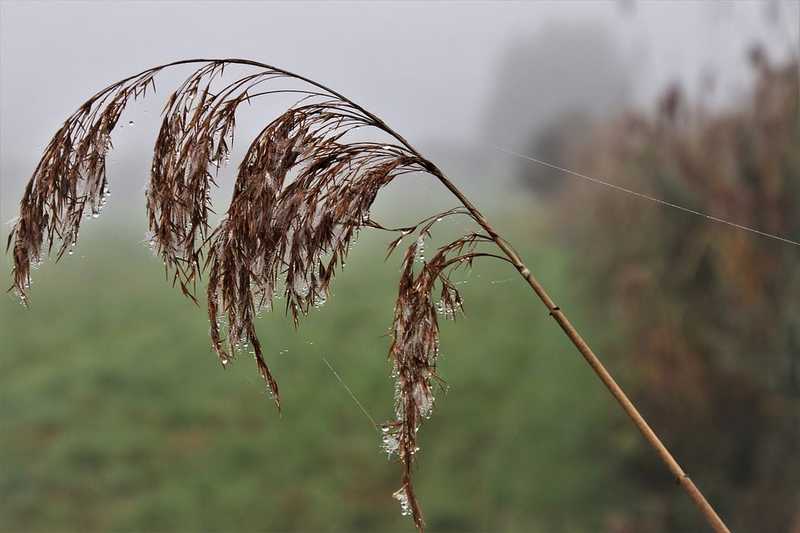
column 303, row 191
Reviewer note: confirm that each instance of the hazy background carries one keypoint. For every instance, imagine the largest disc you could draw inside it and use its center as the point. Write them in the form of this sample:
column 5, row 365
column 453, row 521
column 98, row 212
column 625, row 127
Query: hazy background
column 456, row 77
column 114, row 415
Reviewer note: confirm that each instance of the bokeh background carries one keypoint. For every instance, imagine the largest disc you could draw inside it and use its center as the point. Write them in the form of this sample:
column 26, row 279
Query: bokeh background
column 115, row 415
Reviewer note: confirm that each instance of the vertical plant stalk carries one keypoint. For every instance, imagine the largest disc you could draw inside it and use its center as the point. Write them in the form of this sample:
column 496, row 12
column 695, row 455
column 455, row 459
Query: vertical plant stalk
column 296, row 232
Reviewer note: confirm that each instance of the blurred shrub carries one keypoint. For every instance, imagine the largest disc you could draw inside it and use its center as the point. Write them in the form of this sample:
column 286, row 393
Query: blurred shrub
column 712, row 313
column 554, row 143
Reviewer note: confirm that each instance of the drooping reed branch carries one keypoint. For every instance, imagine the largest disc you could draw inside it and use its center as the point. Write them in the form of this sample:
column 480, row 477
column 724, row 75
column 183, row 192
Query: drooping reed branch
column 302, row 192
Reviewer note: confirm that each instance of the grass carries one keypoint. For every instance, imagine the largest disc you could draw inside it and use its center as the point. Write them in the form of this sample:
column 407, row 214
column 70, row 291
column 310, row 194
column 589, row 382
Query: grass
column 117, row 416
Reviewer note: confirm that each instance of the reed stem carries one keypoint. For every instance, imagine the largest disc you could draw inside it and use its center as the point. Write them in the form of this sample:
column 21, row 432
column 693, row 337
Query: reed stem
column 597, row 366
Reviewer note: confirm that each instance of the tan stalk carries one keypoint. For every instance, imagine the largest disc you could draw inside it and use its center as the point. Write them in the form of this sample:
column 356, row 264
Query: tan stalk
column 605, row 376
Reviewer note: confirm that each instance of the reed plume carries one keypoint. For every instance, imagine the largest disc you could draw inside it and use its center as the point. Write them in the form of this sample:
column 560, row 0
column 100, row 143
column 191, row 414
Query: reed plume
column 302, row 193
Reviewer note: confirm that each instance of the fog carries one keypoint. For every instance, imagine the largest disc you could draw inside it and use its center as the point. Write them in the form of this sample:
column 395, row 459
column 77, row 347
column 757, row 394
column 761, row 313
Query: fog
column 457, row 79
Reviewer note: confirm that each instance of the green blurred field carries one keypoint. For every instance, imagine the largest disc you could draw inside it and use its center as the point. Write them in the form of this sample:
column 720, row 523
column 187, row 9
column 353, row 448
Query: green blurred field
column 117, row 417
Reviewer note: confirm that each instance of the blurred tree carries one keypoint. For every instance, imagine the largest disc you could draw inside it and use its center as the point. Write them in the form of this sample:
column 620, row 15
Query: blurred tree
column 553, row 143
column 550, row 86
column 713, row 314
column 564, row 68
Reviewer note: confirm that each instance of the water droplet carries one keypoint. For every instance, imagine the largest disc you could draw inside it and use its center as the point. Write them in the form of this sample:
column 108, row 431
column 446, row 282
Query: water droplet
column 420, row 249
column 424, row 399
column 389, row 443
column 131, row 123
column 319, row 300
column 301, row 288
column 402, row 496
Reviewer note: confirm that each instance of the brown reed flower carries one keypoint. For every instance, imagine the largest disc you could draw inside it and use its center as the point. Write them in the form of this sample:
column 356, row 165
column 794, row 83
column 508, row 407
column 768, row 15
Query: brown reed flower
column 302, row 193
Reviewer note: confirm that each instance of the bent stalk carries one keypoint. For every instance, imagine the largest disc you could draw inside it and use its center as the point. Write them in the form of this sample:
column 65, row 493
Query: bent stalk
column 302, row 192
column 599, row 369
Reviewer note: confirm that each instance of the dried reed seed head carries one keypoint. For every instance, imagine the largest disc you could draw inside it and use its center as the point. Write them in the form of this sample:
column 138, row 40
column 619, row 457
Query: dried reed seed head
column 415, row 348
column 301, row 195
column 294, row 236
column 69, row 179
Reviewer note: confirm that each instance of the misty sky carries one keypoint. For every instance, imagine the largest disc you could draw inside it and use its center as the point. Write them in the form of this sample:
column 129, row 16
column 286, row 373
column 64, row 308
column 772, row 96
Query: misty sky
column 430, row 70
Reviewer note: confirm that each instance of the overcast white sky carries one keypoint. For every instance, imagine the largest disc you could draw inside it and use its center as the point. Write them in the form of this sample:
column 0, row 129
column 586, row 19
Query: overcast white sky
column 429, row 69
